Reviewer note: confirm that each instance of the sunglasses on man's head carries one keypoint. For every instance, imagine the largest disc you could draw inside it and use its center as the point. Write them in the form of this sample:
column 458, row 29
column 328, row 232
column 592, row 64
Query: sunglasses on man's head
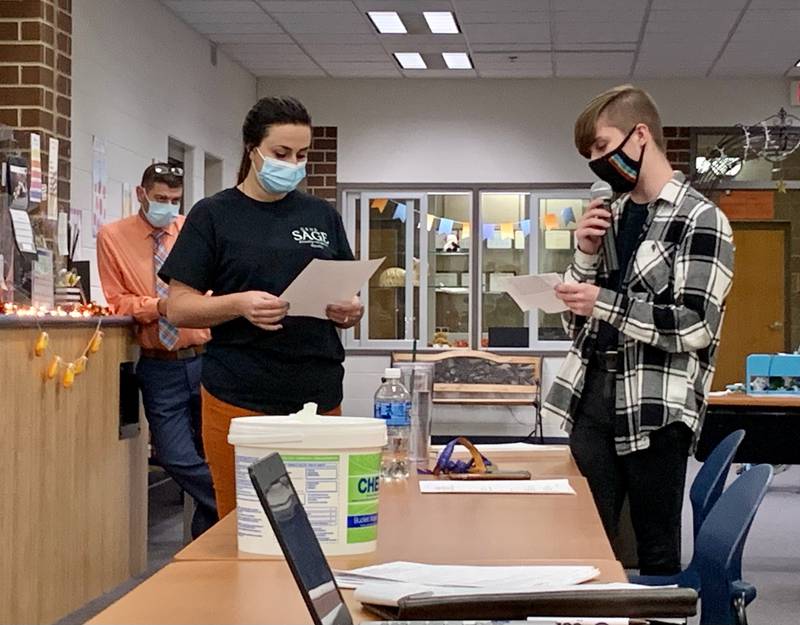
column 168, row 169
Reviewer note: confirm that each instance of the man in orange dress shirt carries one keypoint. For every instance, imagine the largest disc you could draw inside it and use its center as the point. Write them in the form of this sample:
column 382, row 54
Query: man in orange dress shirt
column 129, row 254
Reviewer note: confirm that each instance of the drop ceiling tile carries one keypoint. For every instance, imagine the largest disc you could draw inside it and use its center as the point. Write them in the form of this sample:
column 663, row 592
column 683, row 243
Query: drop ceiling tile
column 597, row 32
column 593, row 64
column 303, row 6
column 501, row 6
column 251, row 38
column 304, row 23
column 362, row 70
column 253, row 27
column 213, row 6
column 507, row 33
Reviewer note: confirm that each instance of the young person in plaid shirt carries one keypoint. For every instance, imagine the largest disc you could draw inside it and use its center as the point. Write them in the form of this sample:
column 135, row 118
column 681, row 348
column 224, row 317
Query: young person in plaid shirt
column 645, row 313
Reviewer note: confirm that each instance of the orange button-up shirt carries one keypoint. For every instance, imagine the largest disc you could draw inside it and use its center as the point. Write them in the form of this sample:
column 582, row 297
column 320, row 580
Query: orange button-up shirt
column 127, row 273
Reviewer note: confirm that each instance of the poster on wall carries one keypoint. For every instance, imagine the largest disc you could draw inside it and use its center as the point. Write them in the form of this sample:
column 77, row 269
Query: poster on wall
column 35, row 195
column 17, row 183
column 99, row 186
column 52, row 179
column 126, row 200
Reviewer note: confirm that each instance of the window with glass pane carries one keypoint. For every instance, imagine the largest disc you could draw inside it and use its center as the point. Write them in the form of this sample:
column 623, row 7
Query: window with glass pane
column 505, row 236
column 393, row 296
column 449, row 245
column 557, row 220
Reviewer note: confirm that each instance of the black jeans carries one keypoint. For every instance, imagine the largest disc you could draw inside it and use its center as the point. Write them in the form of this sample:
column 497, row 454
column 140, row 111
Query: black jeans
column 653, row 479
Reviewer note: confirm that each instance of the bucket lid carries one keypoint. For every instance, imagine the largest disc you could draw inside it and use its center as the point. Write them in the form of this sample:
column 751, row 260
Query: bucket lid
column 308, row 429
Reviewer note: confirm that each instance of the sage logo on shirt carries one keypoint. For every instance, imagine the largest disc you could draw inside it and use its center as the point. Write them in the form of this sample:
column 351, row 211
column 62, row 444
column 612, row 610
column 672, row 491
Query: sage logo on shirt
column 311, row 236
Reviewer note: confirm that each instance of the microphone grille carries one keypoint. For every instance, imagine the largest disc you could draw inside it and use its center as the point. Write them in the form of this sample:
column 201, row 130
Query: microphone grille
column 601, row 190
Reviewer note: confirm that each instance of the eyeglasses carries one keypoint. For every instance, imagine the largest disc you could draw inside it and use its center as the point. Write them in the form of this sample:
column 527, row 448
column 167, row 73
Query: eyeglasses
column 168, row 169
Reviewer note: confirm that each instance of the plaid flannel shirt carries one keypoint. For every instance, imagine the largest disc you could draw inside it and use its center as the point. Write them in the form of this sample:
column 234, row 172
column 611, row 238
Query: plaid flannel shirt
column 668, row 312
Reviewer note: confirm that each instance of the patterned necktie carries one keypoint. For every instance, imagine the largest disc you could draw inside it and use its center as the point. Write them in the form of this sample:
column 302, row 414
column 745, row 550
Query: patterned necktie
column 167, row 333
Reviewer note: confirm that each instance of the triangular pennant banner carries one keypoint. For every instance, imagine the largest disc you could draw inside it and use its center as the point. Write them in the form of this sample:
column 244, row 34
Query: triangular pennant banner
column 465, row 231
column 379, row 203
column 431, row 219
column 525, row 226
column 445, row 225
column 400, row 212
column 507, row 231
column 488, row 231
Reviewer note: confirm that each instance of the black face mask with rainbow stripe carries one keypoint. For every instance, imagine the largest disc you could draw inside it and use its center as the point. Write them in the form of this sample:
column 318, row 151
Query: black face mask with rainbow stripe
column 617, row 168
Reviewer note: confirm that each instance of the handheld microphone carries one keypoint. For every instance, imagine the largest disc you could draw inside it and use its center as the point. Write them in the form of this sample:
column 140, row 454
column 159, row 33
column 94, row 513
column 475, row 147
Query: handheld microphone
column 602, row 190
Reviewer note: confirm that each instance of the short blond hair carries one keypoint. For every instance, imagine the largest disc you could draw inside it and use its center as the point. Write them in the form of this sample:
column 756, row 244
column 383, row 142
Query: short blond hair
column 624, row 107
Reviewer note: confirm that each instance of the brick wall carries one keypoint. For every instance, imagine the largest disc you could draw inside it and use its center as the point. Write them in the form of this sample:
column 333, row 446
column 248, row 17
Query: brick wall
column 677, row 139
column 321, row 180
column 36, row 81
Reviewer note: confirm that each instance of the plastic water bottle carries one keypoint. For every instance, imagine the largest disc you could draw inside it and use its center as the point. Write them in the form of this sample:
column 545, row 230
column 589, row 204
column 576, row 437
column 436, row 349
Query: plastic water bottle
column 393, row 404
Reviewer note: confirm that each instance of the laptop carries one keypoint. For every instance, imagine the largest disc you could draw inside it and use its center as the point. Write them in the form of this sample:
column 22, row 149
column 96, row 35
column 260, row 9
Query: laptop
column 326, row 606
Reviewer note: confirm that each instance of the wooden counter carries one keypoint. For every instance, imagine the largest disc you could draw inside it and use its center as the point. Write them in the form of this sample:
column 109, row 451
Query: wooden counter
column 74, row 523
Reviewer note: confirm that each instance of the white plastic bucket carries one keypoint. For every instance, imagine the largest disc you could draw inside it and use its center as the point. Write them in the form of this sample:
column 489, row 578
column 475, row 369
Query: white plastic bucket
column 334, row 463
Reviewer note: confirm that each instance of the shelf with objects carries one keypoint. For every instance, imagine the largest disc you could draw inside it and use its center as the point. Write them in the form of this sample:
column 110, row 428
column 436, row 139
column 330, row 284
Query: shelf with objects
column 447, row 254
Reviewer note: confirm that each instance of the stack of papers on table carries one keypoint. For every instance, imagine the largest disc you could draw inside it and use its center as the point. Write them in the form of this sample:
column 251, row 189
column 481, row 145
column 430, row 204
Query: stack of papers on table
column 386, row 584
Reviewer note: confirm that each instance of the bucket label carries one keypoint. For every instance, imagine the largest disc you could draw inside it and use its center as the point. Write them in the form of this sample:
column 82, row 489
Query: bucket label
column 316, row 480
column 362, row 497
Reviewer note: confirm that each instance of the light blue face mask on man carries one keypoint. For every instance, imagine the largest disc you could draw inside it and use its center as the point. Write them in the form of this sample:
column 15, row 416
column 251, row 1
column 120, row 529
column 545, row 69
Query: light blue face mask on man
column 279, row 176
column 161, row 214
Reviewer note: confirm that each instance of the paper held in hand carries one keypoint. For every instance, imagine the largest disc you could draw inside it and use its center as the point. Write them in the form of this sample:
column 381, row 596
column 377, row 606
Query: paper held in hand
column 325, row 282
column 535, row 291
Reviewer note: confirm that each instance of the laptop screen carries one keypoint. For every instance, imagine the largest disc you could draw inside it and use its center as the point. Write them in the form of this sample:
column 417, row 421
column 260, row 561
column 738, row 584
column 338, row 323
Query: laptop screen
column 298, row 542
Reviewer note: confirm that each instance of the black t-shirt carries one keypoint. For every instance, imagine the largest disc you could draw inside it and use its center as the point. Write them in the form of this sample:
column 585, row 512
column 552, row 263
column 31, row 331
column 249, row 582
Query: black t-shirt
column 231, row 243
column 631, row 224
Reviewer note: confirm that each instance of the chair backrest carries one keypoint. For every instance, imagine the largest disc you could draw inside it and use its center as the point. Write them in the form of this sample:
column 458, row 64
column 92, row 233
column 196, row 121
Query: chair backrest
column 710, row 480
column 718, row 550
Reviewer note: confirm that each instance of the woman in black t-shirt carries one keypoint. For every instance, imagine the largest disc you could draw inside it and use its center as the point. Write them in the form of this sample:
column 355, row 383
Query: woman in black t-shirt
column 246, row 245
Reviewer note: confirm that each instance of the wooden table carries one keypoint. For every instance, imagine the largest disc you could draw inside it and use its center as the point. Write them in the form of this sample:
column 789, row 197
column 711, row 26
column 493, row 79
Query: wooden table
column 212, row 582
column 243, row 592
column 427, row 519
column 771, row 423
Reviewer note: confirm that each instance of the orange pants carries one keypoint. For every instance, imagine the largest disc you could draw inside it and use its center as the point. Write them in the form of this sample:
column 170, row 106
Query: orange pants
column 217, row 416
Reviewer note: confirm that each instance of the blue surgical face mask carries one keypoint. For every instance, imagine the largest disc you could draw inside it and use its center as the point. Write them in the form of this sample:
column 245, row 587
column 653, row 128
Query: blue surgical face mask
column 161, row 214
column 279, row 176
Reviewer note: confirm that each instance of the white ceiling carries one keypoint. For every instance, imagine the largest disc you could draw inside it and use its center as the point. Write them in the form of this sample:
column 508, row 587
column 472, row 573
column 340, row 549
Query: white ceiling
column 508, row 38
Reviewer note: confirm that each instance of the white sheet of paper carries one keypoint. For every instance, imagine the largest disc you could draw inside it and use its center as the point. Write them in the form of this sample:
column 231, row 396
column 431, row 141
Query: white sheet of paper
column 63, row 239
column 467, row 577
column 325, row 282
column 52, row 180
column 514, row 487
column 42, row 280
column 535, row 291
column 23, row 231
column 558, row 239
column 481, row 580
